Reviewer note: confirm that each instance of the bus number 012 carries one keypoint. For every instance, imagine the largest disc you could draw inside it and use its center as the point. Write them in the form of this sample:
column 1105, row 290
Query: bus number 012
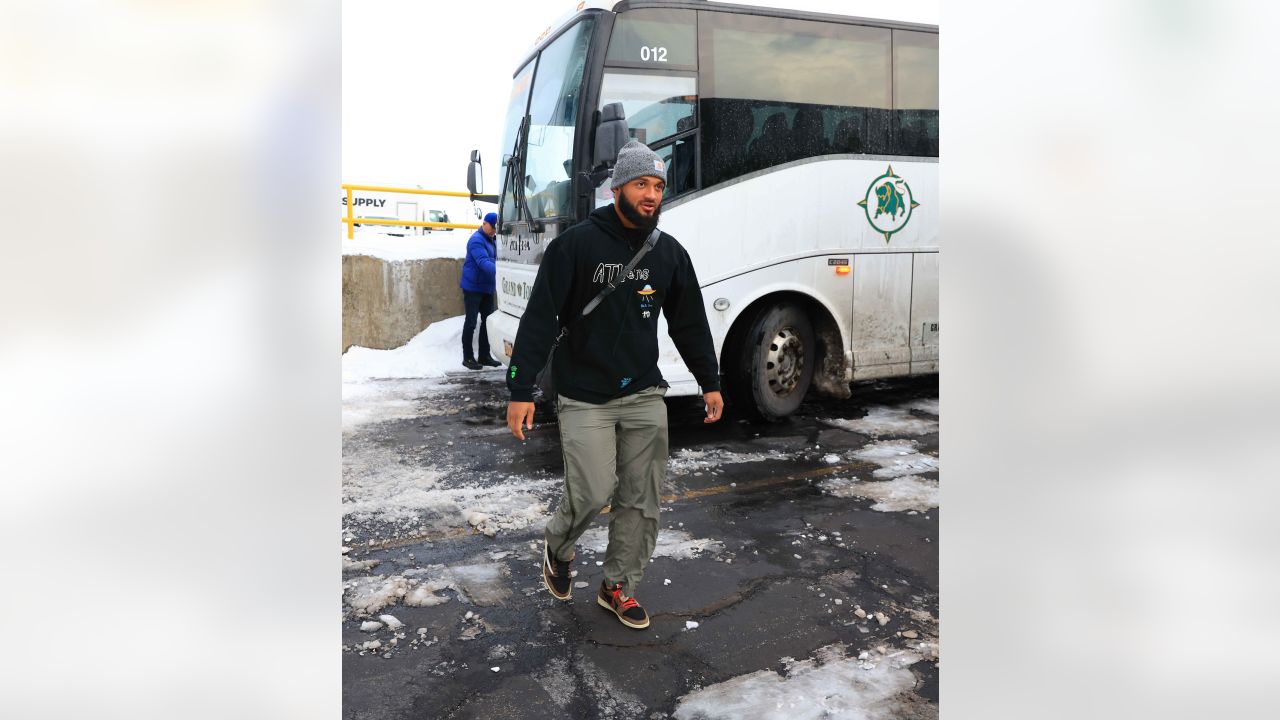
column 653, row 54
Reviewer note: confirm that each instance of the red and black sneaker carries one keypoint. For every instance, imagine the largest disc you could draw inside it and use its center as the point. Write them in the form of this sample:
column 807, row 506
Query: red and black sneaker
column 556, row 574
column 626, row 608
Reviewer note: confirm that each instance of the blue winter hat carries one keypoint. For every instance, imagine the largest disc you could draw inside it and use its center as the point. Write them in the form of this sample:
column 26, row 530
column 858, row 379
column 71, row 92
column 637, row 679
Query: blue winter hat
column 492, row 219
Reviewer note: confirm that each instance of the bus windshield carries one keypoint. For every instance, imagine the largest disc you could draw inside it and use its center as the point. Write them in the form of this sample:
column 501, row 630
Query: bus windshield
column 543, row 166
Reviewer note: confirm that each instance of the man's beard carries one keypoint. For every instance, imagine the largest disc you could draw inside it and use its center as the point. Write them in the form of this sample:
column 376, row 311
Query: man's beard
column 631, row 213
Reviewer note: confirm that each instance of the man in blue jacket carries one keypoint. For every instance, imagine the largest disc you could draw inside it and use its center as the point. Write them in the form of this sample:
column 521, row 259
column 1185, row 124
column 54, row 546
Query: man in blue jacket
column 477, row 291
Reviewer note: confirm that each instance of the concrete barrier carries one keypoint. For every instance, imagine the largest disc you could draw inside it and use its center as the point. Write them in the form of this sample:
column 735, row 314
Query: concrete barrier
column 385, row 303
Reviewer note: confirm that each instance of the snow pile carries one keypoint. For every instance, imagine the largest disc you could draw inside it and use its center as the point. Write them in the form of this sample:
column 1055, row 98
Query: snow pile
column 393, row 493
column 397, row 399
column 367, row 595
column 687, row 460
column 883, row 420
column 829, row 685
column 484, row 585
column 896, row 458
column 382, row 485
column 675, row 544
column 911, row 492
column 507, row 508
column 900, row 460
column 376, row 243
column 428, row 355
column 924, row 405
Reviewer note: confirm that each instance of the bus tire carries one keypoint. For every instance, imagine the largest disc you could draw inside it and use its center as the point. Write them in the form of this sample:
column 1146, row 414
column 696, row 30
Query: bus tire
column 778, row 359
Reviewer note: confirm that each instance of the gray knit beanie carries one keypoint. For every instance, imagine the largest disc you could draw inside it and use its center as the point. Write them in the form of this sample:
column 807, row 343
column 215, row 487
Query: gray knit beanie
column 636, row 160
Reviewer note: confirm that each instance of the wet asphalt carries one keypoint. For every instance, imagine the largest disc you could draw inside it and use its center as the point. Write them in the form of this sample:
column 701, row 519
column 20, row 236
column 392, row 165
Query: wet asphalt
column 755, row 602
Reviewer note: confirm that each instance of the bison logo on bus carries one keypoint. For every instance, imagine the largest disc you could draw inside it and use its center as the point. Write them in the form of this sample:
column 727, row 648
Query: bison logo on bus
column 888, row 203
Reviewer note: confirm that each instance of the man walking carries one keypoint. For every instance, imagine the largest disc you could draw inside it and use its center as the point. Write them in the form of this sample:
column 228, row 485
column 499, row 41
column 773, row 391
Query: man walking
column 613, row 421
column 477, row 285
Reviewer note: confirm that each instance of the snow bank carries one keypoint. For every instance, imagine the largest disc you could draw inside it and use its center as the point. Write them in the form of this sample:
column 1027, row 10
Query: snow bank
column 428, row 355
column 830, row 685
column 411, row 247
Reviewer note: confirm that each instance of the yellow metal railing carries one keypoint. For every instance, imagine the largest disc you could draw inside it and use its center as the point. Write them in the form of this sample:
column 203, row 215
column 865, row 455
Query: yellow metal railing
column 351, row 220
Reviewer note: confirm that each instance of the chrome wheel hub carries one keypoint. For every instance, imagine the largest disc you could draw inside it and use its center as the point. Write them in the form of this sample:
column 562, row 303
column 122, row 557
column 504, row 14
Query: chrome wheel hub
column 784, row 361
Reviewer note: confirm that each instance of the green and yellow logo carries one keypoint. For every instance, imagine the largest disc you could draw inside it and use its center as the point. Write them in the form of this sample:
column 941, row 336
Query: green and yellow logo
column 890, row 195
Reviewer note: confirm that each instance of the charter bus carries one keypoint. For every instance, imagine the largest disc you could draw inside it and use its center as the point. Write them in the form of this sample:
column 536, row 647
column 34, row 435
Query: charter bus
column 802, row 177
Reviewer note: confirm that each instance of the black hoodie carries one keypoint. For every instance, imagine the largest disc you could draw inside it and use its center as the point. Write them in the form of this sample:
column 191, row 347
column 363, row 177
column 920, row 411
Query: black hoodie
column 613, row 351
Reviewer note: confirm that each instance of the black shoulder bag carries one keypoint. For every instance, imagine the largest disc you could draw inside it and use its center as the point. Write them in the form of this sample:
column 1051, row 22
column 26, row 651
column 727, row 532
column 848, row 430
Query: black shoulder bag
column 545, row 381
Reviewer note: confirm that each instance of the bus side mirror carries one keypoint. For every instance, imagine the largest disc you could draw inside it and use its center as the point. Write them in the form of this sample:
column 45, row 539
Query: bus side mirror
column 611, row 135
column 475, row 176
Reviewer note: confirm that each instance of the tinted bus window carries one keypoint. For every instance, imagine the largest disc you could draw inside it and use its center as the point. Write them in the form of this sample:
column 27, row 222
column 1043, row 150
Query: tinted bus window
column 776, row 90
column 915, row 93
column 654, row 39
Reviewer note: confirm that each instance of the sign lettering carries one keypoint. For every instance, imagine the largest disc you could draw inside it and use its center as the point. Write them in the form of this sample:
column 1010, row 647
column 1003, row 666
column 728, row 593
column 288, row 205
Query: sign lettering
column 653, row 54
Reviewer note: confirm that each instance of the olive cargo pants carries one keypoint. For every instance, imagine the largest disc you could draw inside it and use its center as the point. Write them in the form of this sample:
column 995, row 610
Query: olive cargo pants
column 616, row 450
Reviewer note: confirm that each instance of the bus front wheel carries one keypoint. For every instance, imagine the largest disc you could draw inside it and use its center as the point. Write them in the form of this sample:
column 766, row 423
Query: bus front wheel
column 777, row 361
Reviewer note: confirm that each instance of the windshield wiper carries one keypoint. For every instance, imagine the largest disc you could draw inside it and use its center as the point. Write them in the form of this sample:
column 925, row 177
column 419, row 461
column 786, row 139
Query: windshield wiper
column 534, row 225
column 516, row 176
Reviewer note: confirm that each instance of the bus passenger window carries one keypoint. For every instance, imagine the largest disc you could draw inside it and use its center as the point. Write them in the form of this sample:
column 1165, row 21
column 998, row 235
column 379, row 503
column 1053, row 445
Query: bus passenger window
column 657, row 106
column 680, row 177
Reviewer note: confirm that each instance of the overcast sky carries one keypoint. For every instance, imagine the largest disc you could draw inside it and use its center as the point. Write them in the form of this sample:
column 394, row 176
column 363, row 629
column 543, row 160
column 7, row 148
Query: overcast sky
column 423, row 82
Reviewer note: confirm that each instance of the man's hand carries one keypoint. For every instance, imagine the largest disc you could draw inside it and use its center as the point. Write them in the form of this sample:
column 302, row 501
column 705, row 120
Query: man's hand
column 521, row 413
column 715, row 406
